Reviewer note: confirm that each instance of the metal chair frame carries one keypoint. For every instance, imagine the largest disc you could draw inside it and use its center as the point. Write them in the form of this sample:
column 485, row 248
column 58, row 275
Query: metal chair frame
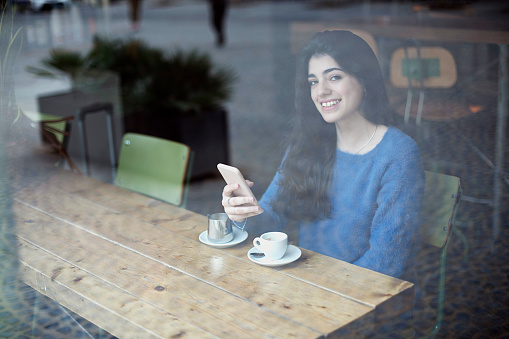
column 58, row 138
column 445, row 192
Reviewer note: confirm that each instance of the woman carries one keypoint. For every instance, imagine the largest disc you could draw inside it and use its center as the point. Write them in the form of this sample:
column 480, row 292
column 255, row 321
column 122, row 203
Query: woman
column 350, row 184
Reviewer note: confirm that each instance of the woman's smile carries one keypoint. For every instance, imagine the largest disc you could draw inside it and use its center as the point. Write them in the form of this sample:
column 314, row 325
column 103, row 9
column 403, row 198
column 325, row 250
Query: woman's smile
column 330, row 104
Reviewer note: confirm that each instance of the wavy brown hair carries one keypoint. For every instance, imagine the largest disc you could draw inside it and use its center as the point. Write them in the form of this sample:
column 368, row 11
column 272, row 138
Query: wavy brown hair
column 308, row 166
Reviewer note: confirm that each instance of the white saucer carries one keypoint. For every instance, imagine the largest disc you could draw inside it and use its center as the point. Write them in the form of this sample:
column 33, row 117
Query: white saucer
column 238, row 237
column 292, row 253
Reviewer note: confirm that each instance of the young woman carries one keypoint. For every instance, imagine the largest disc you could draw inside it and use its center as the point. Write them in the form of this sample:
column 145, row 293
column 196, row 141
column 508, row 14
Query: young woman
column 349, row 183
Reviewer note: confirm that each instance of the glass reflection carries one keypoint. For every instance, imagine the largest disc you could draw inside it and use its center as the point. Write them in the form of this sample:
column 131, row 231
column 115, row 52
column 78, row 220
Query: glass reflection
column 460, row 128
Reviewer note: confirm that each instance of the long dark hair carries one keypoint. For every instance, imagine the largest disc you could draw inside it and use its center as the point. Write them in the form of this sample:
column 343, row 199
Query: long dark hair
column 311, row 147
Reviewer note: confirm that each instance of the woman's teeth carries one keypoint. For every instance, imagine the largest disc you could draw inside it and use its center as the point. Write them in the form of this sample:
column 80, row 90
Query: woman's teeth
column 329, row 103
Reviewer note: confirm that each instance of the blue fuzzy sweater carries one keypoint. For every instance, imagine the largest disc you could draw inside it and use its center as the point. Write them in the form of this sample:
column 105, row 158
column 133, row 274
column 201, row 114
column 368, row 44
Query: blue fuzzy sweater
column 377, row 202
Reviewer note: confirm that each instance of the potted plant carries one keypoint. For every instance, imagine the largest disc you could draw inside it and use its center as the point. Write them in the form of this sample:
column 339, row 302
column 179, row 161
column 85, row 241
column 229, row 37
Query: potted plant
column 178, row 95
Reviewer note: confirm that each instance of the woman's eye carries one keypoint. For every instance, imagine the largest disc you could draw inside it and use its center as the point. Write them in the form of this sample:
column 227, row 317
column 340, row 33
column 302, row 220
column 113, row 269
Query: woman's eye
column 312, row 82
column 335, row 77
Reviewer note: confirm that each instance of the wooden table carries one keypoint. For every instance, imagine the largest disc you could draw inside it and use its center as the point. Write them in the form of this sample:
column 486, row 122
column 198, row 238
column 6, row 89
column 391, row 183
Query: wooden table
column 135, row 267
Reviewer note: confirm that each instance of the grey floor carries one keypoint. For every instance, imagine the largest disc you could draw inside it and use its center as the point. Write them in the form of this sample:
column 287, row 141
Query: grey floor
column 259, row 48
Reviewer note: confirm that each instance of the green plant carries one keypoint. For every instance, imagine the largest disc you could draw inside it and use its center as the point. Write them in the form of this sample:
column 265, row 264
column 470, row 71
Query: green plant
column 65, row 62
column 152, row 81
column 135, row 63
column 188, row 82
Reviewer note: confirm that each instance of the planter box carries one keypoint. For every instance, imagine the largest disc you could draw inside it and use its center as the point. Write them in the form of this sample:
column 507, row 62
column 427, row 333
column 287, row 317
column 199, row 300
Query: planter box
column 206, row 134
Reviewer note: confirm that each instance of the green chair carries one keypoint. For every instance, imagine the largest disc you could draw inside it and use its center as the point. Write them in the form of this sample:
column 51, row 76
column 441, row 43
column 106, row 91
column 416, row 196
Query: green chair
column 442, row 196
column 154, row 167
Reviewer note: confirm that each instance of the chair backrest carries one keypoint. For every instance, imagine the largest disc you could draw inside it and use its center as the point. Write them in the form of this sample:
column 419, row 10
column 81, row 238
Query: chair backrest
column 441, row 201
column 433, row 67
column 154, row 167
column 59, row 127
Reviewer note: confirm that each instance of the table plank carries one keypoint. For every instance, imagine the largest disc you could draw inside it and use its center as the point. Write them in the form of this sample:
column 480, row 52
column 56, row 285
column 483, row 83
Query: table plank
column 285, row 296
column 362, row 285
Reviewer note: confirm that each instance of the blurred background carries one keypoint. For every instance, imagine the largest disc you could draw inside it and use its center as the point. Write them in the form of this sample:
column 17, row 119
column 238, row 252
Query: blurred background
column 229, row 66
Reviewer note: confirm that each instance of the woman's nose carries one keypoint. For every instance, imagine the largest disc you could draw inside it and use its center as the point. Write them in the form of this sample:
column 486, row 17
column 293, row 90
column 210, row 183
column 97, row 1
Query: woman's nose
column 323, row 88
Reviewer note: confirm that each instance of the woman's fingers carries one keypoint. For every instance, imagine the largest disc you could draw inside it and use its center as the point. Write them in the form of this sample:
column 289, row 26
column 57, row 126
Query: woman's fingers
column 242, row 210
column 237, row 211
column 230, row 200
column 236, row 201
column 228, row 189
column 234, row 206
column 241, row 213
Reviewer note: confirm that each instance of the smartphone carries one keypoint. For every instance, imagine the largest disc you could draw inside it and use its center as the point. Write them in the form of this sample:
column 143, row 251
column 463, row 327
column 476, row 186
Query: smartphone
column 232, row 175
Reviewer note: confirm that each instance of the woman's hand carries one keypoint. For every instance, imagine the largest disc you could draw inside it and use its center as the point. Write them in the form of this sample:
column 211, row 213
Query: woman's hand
column 233, row 206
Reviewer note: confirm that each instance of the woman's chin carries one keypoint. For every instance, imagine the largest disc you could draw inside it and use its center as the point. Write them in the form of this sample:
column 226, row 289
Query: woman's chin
column 330, row 117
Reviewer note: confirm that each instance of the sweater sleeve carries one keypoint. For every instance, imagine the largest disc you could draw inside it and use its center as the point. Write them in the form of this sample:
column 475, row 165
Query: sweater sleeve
column 395, row 229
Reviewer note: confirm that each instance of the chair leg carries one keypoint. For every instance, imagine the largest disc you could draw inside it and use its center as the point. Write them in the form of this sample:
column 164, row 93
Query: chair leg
column 464, row 240
column 419, row 107
column 408, row 105
column 441, row 294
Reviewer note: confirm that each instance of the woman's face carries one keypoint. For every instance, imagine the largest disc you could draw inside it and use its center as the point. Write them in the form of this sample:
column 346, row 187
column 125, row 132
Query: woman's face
column 336, row 94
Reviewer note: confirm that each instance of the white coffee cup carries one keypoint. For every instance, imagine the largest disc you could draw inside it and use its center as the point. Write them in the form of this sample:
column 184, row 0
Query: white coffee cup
column 272, row 244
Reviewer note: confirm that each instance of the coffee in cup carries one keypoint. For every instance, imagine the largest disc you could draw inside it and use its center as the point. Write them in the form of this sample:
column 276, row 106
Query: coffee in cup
column 272, row 244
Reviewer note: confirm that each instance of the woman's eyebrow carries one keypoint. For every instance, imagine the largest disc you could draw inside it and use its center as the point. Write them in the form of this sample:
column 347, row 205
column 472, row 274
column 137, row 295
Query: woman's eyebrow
column 332, row 69
column 328, row 70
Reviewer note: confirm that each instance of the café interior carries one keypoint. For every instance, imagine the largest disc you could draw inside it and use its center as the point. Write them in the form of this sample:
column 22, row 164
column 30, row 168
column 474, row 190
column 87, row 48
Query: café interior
column 445, row 66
